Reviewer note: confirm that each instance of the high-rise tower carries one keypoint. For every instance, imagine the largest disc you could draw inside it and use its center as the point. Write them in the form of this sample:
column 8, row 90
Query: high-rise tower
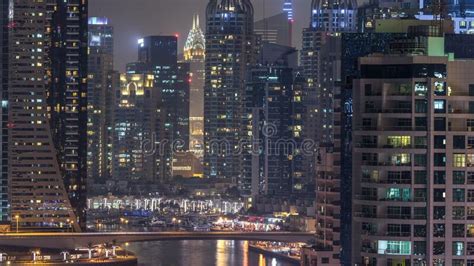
column 38, row 199
column 320, row 61
column 100, row 65
column 4, row 57
column 67, row 95
column 229, row 50
column 194, row 54
column 327, row 18
column 412, row 159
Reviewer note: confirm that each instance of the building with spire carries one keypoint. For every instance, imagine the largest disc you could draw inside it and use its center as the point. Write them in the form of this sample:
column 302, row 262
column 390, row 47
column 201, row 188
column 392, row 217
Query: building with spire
column 194, row 54
column 195, row 45
column 230, row 42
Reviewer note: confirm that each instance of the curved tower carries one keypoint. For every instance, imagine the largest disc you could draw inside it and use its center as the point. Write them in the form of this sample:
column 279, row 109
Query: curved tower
column 38, row 197
column 334, row 15
column 229, row 50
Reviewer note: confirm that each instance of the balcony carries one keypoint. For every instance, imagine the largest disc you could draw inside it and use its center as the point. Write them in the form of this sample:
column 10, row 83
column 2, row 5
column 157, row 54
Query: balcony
column 399, row 216
column 393, row 128
column 387, row 181
column 377, row 163
column 388, row 111
column 389, row 146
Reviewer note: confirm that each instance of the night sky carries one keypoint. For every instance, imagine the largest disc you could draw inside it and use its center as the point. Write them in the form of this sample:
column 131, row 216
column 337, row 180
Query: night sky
column 135, row 18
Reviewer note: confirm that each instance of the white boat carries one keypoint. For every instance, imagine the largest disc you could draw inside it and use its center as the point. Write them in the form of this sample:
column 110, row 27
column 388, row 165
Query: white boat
column 202, row 228
column 157, row 222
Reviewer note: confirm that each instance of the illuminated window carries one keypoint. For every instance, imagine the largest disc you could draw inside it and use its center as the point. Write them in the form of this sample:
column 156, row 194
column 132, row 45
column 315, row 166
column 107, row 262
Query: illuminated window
column 402, row 194
column 399, row 141
column 459, row 160
column 421, row 88
column 470, row 230
column 458, row 248
column 439, row 106
column 440, row 88
column 400, row 159
column 470, row 160
column 394, row 247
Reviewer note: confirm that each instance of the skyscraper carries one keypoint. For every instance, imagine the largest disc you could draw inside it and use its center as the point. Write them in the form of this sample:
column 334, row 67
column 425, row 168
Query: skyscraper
column 135, row 121
column 67, row 95
column 194, row 54
column 327, row 18
column 100, row 65
column 320, row 64
column 4, row 59
column 412, row 158
column 229, row 50
column 277, row 29
column 270, row 123
column 274, row 29
column 158, row 55
column 38, row 198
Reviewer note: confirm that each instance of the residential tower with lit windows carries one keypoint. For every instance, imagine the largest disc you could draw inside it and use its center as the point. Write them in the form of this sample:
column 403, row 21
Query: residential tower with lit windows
column 230, row 42
column 413, row 198
column 67, row 43
column 38, row 198
column 99, row 102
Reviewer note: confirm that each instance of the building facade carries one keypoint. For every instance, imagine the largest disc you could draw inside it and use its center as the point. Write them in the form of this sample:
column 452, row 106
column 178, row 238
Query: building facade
column 38, row 197
column 412, row 138
column 321, row 66
column 158, row 55
column 266, row 164
column 136, row 124
column 67, row 96
column 4, row 74
column 194, row 54
column 229, row 50
column 100, row 66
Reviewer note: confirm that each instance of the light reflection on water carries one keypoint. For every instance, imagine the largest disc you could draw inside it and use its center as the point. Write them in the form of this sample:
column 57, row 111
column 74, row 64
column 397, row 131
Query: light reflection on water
column 201, row 253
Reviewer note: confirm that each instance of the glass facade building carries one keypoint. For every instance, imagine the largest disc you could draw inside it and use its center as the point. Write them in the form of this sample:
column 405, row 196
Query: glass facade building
column 100, row 66
column 230, row 48
column 67, row 33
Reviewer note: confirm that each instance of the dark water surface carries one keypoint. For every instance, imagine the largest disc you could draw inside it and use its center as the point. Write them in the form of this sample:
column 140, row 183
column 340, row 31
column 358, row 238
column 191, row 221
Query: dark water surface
column 201, row 253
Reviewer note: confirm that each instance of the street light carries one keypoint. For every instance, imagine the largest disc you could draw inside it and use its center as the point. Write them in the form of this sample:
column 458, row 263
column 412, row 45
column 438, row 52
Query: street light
column 17, row 217
column 126, row 251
